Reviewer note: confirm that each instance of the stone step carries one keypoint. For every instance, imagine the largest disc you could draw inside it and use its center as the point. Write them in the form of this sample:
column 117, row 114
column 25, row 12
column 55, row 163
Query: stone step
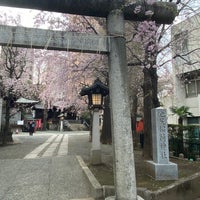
column 77, row 127
column 89, row 198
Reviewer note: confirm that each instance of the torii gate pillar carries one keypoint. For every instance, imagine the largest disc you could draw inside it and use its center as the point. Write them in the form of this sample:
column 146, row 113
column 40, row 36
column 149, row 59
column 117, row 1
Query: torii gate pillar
column 124, row 165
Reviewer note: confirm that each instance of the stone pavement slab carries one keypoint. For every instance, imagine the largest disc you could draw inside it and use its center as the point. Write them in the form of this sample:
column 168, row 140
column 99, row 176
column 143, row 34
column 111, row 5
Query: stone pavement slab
column 56, row 177
column 53, row 178
column 69, row 183
column 23, row 144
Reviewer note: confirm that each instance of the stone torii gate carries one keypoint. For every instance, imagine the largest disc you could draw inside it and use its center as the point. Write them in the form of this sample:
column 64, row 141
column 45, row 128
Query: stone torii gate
column 116, row 11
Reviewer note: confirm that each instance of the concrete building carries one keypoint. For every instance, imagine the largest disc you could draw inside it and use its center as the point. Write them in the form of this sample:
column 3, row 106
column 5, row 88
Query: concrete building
column 186, row 66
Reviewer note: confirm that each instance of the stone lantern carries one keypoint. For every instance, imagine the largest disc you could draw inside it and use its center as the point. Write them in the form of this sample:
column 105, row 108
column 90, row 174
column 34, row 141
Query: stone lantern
column 95, row 94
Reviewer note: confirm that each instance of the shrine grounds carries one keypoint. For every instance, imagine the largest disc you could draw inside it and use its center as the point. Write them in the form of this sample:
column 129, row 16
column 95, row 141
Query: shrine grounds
column 186, row 187
column 104, row 172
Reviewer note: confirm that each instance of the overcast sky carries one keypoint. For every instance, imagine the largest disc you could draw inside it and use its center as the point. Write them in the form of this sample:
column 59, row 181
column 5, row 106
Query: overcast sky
column 26, row 14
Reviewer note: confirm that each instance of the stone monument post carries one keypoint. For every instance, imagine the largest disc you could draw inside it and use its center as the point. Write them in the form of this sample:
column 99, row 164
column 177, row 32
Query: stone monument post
column 161, row 168
column 96, row 146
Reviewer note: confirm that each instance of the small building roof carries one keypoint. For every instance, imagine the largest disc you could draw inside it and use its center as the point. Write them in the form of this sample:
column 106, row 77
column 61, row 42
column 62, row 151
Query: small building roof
column 26, row 101
column 39, row 106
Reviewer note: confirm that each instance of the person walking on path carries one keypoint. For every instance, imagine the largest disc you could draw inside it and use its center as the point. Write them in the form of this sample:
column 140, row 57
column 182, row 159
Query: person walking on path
column 140, row 130
column 31, row 128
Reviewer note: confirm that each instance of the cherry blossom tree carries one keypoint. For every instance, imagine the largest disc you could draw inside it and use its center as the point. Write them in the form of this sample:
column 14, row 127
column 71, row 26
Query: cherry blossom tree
column 83, row 68
column 15, row 81
column 154, row 43
column 65, row 73
column 15, row 75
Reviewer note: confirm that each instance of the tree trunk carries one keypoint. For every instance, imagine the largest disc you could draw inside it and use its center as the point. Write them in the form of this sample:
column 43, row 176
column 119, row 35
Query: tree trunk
column 154, row 80
column 6, row 133
column 180, row 121
column 180, row 135
column 150, row 101
column 134, row 119
column 45, row 115
column 106, row 136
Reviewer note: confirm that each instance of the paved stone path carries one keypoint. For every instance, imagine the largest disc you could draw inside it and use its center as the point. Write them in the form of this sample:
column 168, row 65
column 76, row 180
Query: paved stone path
column 46, row 172
column 56, row 145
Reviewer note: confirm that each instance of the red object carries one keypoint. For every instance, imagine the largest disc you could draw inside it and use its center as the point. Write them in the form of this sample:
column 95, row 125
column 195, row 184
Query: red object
column 38, row 124
column 140, row 126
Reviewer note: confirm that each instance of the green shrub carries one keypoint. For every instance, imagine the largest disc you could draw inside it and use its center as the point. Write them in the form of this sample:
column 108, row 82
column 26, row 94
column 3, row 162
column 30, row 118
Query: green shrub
column 186, row 137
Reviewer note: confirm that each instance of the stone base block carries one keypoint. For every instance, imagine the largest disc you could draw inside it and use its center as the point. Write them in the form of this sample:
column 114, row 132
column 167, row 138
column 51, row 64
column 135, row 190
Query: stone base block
column 162, row 171
column 95, row 156
column 113, row 198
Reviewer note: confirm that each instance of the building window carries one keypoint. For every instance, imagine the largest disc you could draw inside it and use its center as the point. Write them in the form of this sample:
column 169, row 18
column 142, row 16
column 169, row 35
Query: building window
column 198, row 86
column 181, row 42
column 181, row 47
column 192, row 88
column 193, row 120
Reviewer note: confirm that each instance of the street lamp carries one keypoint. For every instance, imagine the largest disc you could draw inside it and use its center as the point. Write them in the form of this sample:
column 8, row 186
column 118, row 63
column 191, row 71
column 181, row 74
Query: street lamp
column 95, row 94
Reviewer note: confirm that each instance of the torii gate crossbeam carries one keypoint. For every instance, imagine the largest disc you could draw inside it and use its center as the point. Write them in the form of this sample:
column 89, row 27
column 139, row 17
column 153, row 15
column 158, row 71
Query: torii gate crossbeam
column 53, row 40
column 163, row 12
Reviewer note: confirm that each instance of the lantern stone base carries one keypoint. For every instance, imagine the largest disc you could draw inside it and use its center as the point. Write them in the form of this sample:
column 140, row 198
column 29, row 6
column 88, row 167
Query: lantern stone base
column 95, row 156
column 113, row 198
column 162, row 171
